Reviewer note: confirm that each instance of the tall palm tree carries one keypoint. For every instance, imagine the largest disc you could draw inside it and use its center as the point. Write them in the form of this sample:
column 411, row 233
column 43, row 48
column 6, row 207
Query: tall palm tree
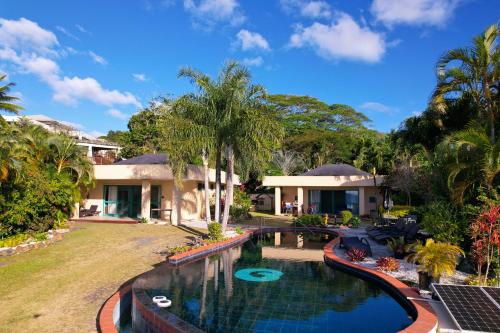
column 475, row 76
column 474, row 159
column 7, row 102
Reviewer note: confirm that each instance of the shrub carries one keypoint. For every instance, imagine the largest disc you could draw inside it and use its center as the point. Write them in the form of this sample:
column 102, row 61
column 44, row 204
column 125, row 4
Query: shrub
column 355, row 254
column 398, row 211
column 178, row 249
column 355, row 222
column 444, row 222
column 40, row 236
column 387, row 264
column 346, row 216
column 13, row 240
column 238, row 230
column 241, row 205
column 309, row 220
column 215, row 231
column 143, row 220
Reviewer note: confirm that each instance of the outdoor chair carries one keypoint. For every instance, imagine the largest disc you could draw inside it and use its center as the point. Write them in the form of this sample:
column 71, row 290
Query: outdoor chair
column 356, row 243
column 374, row 231
column 409, row 232
column 288, row 208
column 92, row 211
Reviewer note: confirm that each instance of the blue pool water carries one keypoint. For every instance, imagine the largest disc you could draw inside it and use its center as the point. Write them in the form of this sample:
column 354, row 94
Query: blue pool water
column 275, row 283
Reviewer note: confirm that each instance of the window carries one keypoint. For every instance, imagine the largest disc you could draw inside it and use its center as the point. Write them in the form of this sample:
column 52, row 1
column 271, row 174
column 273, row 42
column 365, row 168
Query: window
column 372, row 200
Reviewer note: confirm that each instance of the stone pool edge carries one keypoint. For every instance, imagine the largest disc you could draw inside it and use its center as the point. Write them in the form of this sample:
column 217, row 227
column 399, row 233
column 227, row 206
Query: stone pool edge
column 425, row 321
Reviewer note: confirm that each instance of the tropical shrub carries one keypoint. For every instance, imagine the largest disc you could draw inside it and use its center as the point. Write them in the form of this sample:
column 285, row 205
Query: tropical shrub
column 356, row 254
column 143, row 220
column 215, row 231
column 309, row 220
column 436, row 259
column 241, row 205
column 355, row 222
column 397, row 211
column 346, row 216
column 485, row 233
column 399, row 247
column 13, row 240
column 177, row 249
column 444, row 222
column 238, row 230
column 387, row 264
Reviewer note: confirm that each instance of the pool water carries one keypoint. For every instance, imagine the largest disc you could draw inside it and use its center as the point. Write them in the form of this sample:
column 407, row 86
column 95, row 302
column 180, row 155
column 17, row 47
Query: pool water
column 274, row 283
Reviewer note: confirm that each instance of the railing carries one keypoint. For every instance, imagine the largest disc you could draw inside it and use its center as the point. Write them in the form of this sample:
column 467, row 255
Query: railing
column 102, row 160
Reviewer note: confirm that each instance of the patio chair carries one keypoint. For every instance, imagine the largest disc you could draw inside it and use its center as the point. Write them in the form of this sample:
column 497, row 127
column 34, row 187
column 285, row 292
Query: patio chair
column 288, row 208
column 409, row 232
column 398, row 227
column 92, row 211
column 356, row 243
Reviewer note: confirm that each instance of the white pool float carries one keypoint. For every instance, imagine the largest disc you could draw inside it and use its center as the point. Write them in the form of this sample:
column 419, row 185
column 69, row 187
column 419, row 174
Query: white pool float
column 164, row 303
column 157, row 299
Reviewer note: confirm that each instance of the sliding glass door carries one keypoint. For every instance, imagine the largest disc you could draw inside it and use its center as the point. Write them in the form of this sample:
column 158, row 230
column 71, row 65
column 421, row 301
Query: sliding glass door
column 122, row 200
column 333, row 201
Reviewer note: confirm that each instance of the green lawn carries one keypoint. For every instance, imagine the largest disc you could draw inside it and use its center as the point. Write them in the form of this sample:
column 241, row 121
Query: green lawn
column 62, row 287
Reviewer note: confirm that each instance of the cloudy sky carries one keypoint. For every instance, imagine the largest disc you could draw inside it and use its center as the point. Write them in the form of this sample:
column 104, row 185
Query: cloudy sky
column 95, row 63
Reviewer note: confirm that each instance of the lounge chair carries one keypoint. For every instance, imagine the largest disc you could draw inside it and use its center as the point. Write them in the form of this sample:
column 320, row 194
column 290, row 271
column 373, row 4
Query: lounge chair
column 356, row 243
column 92, row 211
column 398, row 227
column 409, row 232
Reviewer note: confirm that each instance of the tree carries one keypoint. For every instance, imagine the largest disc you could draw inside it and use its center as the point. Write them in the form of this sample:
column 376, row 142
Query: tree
column 475, row 77
column 241, row 129
column 7, row 102
column 288, row 162
column 472, row 160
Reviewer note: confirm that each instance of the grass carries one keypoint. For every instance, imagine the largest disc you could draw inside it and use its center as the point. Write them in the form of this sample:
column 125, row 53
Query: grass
column 267, row 220
column 62, row 287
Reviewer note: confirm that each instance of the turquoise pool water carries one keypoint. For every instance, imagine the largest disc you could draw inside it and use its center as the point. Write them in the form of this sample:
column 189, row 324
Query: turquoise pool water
column 273, row 283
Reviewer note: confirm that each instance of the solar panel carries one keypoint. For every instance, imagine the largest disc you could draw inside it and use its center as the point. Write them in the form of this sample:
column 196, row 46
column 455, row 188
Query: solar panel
column 473, row 308
column 494, row 293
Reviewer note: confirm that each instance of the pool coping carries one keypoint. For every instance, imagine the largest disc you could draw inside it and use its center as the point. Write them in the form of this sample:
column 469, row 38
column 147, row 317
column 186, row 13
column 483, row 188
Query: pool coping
column 425, row 318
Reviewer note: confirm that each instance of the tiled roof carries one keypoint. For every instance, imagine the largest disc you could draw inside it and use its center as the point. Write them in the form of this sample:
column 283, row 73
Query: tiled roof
column 145, row 159
column 335, row 170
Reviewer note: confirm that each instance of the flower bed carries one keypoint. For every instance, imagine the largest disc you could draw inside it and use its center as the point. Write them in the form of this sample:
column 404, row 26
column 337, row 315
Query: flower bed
column 30, row 244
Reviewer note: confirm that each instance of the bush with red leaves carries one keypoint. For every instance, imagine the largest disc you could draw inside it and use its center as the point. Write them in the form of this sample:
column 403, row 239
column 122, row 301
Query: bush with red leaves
column 355, row 254
column 387, row 264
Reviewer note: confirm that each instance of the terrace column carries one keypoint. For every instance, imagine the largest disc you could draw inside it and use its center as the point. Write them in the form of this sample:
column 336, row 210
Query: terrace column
column 176, row 206
column 146, row 199
column 300, row 200
column 89, row 151
column 277, row 201
column 361, row 199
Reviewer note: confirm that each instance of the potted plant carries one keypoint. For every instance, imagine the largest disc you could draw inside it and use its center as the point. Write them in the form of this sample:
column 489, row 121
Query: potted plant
column 435, row 259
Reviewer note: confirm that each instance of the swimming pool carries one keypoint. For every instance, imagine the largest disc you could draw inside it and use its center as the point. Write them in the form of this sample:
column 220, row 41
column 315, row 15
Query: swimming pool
column 275, row 282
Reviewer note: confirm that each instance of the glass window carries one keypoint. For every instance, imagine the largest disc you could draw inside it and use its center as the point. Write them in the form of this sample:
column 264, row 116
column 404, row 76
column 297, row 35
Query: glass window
column 314, row 201
column 352, row 201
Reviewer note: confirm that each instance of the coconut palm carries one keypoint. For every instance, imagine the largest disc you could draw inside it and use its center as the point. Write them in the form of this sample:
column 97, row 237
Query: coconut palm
column 473, row 159
column 475, row 76
column 288, row 162
column 436, row 259
column 7, row 102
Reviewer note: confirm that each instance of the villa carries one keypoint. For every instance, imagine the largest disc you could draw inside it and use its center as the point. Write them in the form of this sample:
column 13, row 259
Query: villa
column 329, row 189
column 143, row 186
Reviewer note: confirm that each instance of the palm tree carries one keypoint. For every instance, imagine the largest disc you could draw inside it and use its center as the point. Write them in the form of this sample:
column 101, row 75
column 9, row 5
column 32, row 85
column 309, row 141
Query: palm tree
column 6, row 101
column 288, row 162
column 475, row 77
column 474, row 159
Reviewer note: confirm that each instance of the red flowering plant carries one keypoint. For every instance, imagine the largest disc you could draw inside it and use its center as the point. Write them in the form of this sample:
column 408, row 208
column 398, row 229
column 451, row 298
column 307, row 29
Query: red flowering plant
column 356, row 254
column 485, row 233
column 387, row 264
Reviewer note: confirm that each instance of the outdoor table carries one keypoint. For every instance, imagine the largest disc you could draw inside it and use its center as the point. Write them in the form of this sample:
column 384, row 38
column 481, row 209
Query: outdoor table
column 163, row 210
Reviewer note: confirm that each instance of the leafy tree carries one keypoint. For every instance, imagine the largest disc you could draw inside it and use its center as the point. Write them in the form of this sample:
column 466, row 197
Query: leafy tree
column 119, row 137
column 8, row 102
column 475, row 76
column 287, row 162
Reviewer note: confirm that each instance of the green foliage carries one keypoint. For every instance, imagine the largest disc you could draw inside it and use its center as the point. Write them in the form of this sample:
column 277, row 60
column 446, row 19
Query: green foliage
column 178, row 249
column 40, row 236
column 241, row 205
column 143, row 220
column 309, row 220
column 355, row 222
column 13, row 240
column 444, row 222
column 8, row 102
column 436, row 259
column 398, row 211
column 238, row 230
column 215, row 231
column 346, row 216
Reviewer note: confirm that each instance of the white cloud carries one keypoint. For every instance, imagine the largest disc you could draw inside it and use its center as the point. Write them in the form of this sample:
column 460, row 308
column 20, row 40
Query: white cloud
column 311, row 9
column 379, row 107
column 257, row 61
column 414, row 12
column 118, row 114
column 66, row 32
column 97, row 58
column 249, row 40
column 27, row 35
column 140, row 77
column 33, row 50
column 82, row 29
column 342, row 39
column 206, row 13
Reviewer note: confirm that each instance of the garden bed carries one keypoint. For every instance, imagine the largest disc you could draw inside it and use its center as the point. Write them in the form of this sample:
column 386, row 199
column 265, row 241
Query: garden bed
column 52, row 237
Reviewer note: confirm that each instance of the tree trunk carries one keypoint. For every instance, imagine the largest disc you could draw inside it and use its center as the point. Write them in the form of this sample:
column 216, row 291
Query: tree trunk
column 218, row 157
column 492, row 129
column 229, row 186
column 207, row 187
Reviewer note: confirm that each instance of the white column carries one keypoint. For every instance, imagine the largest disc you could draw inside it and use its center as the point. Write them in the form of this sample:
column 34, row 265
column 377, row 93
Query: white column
column 361, row 199
column 300, row 200
column 146, row 199
column 277, row 238
column 176, row 206
column 89, row 151
column 277, row 201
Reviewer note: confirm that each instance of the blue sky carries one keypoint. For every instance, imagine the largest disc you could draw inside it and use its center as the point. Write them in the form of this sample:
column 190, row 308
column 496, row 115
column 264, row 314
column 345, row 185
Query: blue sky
column 94, row 63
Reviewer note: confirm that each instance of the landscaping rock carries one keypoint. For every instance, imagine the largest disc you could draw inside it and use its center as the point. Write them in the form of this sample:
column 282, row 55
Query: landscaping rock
column 7, row 251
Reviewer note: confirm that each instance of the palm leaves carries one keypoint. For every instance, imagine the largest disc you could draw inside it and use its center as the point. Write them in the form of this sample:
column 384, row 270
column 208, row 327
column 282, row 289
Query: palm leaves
column 476, row 76
column 7, row 101
column 473, row 159
column 436, row 259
